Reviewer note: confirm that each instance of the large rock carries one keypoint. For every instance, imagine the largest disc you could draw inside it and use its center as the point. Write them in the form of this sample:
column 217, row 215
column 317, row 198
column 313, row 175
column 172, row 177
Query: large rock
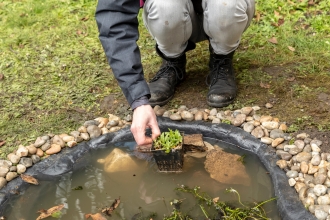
column 226, row 168
column 119, row 161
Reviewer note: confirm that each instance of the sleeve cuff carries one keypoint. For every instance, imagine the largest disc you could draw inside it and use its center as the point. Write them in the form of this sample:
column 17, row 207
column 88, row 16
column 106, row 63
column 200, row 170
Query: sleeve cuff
column 140, row 101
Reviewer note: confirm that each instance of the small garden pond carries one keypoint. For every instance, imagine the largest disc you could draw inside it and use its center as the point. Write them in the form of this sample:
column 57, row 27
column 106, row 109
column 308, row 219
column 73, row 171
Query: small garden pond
column 143, row 191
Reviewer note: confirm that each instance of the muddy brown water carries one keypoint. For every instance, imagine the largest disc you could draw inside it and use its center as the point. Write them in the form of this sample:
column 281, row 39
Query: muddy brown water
column 142, row 192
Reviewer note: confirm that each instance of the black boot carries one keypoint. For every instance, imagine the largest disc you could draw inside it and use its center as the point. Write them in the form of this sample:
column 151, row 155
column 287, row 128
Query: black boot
column 170, row 74
column 221, row 80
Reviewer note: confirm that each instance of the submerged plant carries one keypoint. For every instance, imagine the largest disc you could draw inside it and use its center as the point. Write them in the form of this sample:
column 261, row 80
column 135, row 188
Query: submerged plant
column 224, row 210
column 168, row 140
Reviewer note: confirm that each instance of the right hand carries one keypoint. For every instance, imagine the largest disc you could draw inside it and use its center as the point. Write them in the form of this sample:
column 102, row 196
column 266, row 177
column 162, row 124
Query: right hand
column 144, row 117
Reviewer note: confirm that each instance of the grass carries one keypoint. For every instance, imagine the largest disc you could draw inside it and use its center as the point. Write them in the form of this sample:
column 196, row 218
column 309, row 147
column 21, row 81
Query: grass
column 56, row 74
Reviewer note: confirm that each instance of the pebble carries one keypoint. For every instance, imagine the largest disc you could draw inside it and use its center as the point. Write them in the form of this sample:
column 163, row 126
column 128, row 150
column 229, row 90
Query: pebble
column 21, row 168
column 258, row 132
column 186, row 115
column 35, row 159
column 39, row 141
column 320, row 190
column 3, row 182
column 93, row 131
column 13, row 158
column 22, row 151
column 26, row 161
column 55, row 148
column 58, row 140
column 248, row 127
column 10, row 176
column 46, row 146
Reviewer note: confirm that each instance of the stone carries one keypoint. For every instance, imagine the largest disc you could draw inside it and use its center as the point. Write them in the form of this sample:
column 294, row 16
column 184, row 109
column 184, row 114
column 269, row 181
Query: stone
column 276, row 133
column 265, row 118
column 246, row 110
column 75, row 133
column 282, row 164
column 238, row 120
column 283, row 127
column 68, row 138
column 13, row 158
column 213, row 112
column 266, row 140
column 320, row 190
column 248, row 127
column 175, row 117
column 93, row 131
column 307, row 148
column 103, row 131
column 292, row 182
column 258, row 132
column 319, row 178
column 119, row 161
column 286, row 156
column 316, row 142
column 82, row 129
column 277, row 142
column 39, row 141
column 21, row 168
column 3, row 182
column 298, row 186
column 55, row 148
column 199, row 116
column 79, row 139
column 58, row 140
column 187, row 116
column 320, row 214
column 312, row 169
column 35, row 159
column 22, row 151
column 91, row 122
column 316, row 160
column 304, row 167
column 46, row 146
column 315, row 148
column 40, row 153
column 226, row 168
column 300, row 144
column 114, row 129
column 72, row 143
column 216, row 121
column 26, row 161
column 10, row 176
column 268, row 105
column 302, row 136
column 292, row 174
column 85, row 136
column 270, row 125
column 303, row 156
column 3, row 171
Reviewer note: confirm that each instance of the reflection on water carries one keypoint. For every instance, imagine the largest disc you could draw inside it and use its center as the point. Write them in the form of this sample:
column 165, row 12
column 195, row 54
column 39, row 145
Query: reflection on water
column 140, row 190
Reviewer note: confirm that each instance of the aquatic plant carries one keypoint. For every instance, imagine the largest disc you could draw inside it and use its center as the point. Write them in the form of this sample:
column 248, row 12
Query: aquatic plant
column 168, row 140
column 223, row 210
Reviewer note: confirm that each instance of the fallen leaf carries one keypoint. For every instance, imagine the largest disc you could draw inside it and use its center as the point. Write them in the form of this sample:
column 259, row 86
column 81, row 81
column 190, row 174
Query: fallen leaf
column 273, row 40
column 216, row 199
column 49, row 212
column 96, row 216
column 291, row 79
column 29, row 179
column 115, row 204
column 264, row 85
column 291, row 48
column 2, row 143
column 276, row 13
column 85, row 18
column 258, row 16
column 2, row 76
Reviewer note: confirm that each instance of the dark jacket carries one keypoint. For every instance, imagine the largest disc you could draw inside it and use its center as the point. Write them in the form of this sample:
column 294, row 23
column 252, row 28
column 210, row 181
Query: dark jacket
column 118, row 27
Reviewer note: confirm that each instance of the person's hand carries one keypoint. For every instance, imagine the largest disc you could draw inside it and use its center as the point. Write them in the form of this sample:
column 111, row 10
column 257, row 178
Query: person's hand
column 144, row 117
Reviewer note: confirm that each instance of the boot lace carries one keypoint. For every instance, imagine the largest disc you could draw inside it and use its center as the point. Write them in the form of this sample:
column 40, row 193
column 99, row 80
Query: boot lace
column 164, row 71
column 219, row 71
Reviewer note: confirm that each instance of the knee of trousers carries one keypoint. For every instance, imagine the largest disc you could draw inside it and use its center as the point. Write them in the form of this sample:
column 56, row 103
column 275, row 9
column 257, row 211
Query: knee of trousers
column 169, row 14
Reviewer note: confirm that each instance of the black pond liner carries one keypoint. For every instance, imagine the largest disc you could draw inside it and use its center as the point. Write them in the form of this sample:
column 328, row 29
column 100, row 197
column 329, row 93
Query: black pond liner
column 289, row 205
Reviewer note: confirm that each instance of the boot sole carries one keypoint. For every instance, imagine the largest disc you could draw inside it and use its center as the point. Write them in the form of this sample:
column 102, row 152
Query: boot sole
column 219, row 105
column 153, row 104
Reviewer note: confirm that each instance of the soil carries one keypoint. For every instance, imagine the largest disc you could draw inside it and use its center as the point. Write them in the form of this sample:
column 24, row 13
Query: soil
column 301, row 101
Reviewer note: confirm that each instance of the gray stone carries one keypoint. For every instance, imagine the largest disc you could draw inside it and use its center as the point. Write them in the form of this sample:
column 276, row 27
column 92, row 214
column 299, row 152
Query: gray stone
column 276, row 133
column 79, row 139
column 286, row 156
column 26, row 161
column 75, row 133
column 22, row 151
column 307, row 148
column 213, row 112
column 3, row 182
column 248, row 127
column 35, row 159
column 295, row 168
column 175, row 117
column 91, row 122
column 320, row 190
column 266, row 140
column 39, row 141
column 300, row 144
column 292, row 174
column 307, row 140
column 13, row 169
column 93, row 131
column 216, row 121
column 46, row 146
column 316, row 142
column 246, row 110
column 187, row 116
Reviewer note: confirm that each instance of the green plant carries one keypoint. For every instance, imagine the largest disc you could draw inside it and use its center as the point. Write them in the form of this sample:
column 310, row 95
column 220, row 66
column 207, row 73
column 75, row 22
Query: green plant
column 168, row 140
column 223, row 209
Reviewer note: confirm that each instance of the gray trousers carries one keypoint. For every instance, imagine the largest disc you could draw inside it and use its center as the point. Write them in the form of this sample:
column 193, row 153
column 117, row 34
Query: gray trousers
column 173, row 22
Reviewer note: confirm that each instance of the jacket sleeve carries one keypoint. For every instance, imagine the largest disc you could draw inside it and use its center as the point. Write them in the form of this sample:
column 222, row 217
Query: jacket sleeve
column 118, row 32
